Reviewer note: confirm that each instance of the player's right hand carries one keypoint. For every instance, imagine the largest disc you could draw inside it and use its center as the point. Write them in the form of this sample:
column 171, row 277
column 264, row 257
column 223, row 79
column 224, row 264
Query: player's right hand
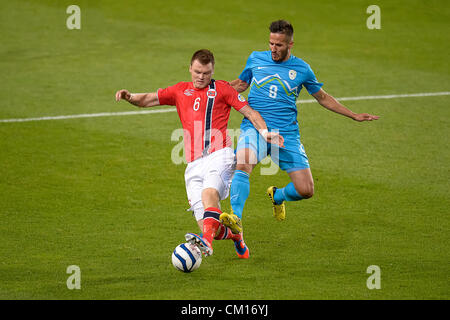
column 123, row 94
column 275, row 138
column 365, row 117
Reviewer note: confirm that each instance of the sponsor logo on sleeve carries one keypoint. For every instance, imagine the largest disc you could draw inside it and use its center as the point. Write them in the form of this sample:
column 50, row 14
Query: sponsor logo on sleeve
column 241, row 98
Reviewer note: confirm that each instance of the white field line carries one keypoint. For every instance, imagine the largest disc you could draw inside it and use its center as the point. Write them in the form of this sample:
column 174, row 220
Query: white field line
column 165, row 110
column 390, row 96
column 91, row 115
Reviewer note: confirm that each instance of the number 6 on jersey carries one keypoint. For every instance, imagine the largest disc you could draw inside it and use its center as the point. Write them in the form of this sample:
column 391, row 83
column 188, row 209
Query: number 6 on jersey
column 196, row 104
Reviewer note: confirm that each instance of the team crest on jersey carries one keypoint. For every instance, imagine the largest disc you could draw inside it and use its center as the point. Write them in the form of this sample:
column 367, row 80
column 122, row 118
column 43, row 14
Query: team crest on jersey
column 211, row 93
column 241, row 98
column 188, row 92
column 292, row 74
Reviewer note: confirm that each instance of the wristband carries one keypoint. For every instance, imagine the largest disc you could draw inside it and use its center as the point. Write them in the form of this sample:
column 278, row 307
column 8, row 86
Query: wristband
column 264, row 133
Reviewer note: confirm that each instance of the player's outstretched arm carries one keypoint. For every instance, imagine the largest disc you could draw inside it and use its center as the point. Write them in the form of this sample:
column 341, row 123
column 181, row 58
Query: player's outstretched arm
column 141, row 100
column 332, row 104
column 260, row 125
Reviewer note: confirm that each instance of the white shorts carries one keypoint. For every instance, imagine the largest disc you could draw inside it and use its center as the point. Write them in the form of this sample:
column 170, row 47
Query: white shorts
column 212, row 171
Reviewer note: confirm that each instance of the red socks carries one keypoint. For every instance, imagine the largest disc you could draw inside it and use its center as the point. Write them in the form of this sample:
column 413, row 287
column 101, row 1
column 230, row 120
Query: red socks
column 225, row 233
column 211, row 223
column 214, row 229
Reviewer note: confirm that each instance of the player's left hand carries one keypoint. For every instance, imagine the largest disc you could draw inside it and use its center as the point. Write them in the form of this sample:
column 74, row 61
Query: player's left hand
column 364, row 117
column 275, row 138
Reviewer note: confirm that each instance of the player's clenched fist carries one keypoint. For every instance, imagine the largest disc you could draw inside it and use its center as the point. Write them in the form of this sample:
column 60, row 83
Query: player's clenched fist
column 123, row 94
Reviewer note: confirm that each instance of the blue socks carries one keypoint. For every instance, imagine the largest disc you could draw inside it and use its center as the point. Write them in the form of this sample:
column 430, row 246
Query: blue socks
column 287, row 193
column 239, row 191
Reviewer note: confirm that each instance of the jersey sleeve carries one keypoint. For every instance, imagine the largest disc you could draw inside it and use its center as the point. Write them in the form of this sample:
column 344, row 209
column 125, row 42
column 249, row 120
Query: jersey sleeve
column 234, row 98
column 311, row 84
column 168, row 96
column 247, row 74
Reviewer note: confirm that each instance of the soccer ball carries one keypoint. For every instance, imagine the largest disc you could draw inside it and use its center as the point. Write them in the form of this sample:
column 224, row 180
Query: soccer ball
column 186, row 257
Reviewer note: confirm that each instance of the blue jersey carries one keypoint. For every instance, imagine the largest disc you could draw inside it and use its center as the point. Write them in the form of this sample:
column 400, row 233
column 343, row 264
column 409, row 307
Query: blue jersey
column 275, row 86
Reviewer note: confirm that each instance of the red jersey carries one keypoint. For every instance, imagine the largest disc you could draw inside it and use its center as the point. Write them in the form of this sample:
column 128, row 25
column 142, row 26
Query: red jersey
column 203, row 113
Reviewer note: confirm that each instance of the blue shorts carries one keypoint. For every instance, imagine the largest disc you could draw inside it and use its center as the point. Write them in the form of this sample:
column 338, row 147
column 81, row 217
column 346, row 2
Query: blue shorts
column 290, row 158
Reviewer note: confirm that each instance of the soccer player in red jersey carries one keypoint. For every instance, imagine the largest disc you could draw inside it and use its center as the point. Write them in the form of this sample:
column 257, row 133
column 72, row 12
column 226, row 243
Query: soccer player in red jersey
column 204, row 106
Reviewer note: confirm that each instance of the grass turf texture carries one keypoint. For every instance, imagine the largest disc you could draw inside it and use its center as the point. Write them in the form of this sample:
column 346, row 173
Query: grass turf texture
column 103, row 194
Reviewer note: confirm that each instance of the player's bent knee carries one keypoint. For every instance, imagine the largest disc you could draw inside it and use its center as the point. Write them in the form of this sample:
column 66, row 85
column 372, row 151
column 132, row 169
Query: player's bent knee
column 246, row 160
column 306, row 191
column 210, row 197
column 245, row 167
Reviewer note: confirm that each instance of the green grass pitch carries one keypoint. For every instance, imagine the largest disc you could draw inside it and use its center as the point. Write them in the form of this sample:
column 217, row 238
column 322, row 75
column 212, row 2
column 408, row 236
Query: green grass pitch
column 103, row 194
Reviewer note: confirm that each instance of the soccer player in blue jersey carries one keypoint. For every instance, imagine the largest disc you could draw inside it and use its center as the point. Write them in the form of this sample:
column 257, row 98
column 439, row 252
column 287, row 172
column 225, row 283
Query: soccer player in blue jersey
column 275, row 78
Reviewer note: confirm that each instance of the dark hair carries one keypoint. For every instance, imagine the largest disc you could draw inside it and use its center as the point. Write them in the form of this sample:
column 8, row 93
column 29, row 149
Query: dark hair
column 204, row 56
column 282, row 26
